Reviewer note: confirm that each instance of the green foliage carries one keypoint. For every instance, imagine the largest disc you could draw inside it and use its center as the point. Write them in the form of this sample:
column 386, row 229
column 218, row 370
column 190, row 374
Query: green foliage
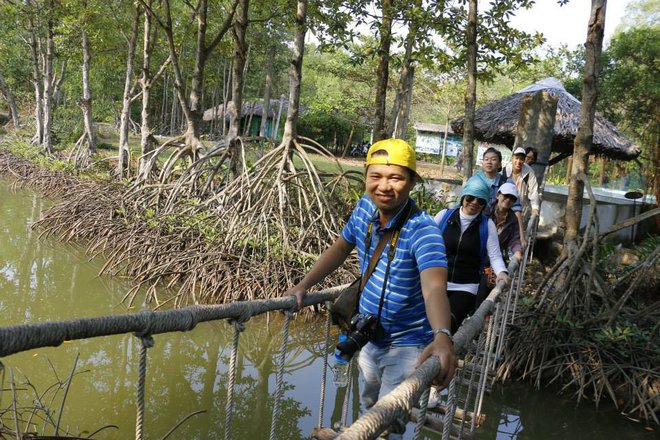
column 36, row 155
column 427, row 201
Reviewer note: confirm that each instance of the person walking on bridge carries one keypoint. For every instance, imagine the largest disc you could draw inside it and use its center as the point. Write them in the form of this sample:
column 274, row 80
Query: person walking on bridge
column 405, row 296
column 471, row 240
column 522, row 175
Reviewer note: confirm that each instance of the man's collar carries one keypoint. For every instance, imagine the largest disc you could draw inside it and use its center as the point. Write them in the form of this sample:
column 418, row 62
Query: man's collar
column 375, row 218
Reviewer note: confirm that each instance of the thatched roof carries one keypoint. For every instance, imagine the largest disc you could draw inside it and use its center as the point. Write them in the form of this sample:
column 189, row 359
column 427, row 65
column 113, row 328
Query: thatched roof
column 246, row 110
column 497, row 122
column 432, row 128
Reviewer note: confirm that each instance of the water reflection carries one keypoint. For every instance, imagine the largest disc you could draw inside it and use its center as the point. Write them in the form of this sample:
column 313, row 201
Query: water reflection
column 42, row 280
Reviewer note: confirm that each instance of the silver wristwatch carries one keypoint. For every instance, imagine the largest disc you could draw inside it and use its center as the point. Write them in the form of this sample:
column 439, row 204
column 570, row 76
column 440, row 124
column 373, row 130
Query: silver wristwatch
column 445, row 331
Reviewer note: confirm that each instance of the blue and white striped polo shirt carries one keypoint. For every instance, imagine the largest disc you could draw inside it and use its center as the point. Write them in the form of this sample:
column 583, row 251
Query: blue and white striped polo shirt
column 420, row 246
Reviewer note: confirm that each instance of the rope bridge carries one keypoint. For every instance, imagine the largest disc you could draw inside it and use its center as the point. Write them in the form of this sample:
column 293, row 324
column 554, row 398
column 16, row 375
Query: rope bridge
column 487, row 324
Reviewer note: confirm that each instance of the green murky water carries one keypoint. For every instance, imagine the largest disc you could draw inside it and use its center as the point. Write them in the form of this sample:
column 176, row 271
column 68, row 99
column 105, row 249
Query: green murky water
column 44, row 280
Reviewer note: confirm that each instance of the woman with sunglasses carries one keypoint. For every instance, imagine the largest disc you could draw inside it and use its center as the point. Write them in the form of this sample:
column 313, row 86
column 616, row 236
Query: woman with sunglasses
column 470, row 241
column 508, row 234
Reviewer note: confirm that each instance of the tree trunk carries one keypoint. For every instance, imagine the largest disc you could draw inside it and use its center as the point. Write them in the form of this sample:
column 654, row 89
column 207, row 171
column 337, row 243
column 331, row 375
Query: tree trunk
column 86, row 102
column 194, row 115
column 584, row 137
column 47, row 143
column 601, row 175
column 404, row 111
column 276, row 132
column 192, row 111
column 295, row 75
column 58, row 81
column 238, row 65
column 444, row 144
column 382, row 73
column 35, row 52
column 401, row 107
column 146, row 146
column 265, row 109
column 238, row 78
column 9, row 96
column 471, row 92
column 122, row 165
column 536, row 127
column 226, row 86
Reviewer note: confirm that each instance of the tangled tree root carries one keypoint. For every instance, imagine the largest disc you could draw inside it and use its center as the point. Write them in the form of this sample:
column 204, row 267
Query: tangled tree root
column 210, row 242
column 593, row 327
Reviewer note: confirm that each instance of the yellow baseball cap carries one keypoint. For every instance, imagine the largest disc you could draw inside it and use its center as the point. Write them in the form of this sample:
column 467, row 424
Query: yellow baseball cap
column 399, row 152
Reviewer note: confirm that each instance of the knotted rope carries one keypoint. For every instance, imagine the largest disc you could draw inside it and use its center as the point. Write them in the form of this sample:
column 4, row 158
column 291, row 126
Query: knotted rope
column 147, row 343
column 239, row 326
column 324, row 375
column 451, row 409
column 423, row 406
column 280, row 375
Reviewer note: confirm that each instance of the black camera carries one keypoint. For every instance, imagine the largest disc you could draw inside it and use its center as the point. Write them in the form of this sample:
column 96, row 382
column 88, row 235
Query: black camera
column 364, row 328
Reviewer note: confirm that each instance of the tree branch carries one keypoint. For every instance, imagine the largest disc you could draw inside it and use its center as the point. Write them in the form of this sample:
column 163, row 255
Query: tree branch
column 631, row 221
column 223, row 30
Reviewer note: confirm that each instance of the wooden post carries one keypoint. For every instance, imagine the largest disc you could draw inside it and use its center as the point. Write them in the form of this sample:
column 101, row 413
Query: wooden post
column 444, row 148
column 536, row 127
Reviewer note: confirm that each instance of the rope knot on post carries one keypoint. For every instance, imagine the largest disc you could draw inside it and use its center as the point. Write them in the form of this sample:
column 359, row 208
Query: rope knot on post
column 145, row 318
column 147, row 340
column 191, row 317
column 239, row 325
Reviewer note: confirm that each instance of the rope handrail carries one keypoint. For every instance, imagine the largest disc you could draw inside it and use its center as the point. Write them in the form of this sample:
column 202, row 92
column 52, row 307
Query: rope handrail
column 15, row 339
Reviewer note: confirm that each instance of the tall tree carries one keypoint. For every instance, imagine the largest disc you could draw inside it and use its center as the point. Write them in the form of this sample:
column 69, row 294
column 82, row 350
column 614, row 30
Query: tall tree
column 382, row 73
column 238, row 80
column 48, row 77
column 146, row 81
column 11, row 102
column 86, row 101
column 584, row 137
column 471, row 91
column 401, row 107
column 268, row 84
column 192, row 106
column 295, row 75
column 124, row 118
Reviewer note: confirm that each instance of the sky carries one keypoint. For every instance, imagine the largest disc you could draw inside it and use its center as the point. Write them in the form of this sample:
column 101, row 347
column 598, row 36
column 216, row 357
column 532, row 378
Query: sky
column 567, row 24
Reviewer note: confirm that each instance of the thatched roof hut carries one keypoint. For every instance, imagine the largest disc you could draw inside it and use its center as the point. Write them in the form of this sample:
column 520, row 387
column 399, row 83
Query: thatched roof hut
column 497, row 123
column 254, row 108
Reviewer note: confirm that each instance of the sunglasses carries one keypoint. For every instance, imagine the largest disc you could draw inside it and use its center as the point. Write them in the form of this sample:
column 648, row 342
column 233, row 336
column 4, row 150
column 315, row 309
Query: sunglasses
column 471, row 199
column 510, row 197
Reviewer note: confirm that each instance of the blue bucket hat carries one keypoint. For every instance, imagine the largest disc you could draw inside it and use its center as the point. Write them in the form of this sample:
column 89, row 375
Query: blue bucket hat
column 476, row 187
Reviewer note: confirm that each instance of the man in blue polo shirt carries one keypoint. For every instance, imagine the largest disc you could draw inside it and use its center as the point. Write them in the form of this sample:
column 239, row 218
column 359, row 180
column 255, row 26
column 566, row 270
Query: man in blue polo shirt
column 412, row 308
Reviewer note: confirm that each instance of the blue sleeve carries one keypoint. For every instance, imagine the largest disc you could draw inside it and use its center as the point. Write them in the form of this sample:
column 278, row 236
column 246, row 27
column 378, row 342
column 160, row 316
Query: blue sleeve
column 357, row 221
column 427, row 246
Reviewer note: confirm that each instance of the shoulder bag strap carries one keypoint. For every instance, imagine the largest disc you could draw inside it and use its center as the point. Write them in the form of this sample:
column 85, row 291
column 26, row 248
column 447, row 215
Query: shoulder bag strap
column 376, row 255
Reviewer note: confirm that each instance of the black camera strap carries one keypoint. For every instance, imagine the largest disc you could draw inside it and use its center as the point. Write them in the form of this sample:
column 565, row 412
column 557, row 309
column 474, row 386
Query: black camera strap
column 394, row 233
